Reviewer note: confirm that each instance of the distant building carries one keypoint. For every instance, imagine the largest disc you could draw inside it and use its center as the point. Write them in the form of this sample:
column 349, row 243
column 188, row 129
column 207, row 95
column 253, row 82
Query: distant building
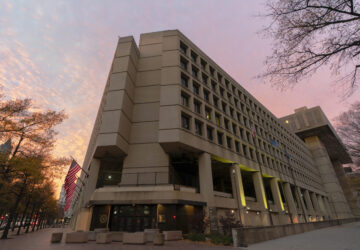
column 176, row 139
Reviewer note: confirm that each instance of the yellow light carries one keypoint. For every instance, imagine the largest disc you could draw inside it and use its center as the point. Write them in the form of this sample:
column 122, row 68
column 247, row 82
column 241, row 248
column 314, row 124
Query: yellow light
column 287, row 121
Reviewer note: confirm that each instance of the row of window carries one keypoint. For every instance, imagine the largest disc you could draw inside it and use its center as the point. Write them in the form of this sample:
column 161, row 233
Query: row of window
column 195, row 72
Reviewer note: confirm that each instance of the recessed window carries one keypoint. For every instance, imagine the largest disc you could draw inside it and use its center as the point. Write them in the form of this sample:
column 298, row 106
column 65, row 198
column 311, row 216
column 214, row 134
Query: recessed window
column 197, row 107
column 244, row 147
column 208, row 114
column 194, row 72
column 226, row 123
column 223, row 105
column 238, row 117
column 234, row 128
column 198, row 127
column 232, row 112
column 183, row 48
column 217, row 119
column 209, row 133
column 185, row 121
column 237, row 146
column 203, row 64
column 219, row 77
column 228, row 141
column 184, row 80
column 227, row 83
column 206, row 95
column 204, row 79
column 212, row 71
column 193, row 56
column 184, row 100
column 196, row 88
column 220, row 138
column 222, row 92
column 216, row 101
column 183, row 63
column 213, row 86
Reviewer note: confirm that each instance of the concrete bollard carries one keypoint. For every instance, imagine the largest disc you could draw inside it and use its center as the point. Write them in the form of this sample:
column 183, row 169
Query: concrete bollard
column 150, row 234
column 117, row 236
column 238, row 237
column 158, row 239
column 103, row 238
column 56, row 237
column 76, row 237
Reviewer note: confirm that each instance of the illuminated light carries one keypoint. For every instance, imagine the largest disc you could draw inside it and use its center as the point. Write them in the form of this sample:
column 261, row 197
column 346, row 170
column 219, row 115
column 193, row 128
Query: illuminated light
column 232, row 211
column 221, row 159
column 174, row 217
column 2, row 217
column 248, row 208
column 247, row 212
column 287, row 121
column 257, row 213
column 109, row 177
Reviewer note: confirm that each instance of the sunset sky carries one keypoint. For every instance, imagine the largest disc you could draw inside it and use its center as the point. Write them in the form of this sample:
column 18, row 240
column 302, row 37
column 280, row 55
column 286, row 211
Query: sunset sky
column 59, row 53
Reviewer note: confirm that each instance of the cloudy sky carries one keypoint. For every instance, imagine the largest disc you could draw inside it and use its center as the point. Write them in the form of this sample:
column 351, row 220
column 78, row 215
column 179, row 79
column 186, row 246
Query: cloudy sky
column 59, row 53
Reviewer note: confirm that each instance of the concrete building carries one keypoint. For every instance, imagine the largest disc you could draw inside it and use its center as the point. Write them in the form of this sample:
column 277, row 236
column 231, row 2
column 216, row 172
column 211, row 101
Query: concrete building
column 177, row 139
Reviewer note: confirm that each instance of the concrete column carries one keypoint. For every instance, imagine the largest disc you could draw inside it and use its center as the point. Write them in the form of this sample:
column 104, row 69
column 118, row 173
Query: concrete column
column 322, row 206
column 315, row 202
column 302, row 204
column 290, row 202
column 328, row 209
column 238, row 190
column 309, row 204
column 276, row 194
column 259, row 190
column 207, row 189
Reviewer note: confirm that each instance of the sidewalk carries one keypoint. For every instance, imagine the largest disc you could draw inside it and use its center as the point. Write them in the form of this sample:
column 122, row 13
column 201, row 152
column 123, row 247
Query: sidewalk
column 333, row 238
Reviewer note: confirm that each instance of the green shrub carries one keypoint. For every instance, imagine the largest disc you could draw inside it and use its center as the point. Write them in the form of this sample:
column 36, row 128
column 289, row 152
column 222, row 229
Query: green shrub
column 195, row 237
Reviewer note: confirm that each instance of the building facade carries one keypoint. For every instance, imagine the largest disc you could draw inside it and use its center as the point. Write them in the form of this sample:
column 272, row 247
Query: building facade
column 177, row 139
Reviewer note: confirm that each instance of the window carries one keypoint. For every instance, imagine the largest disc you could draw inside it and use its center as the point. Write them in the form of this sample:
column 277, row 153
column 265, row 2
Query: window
column 206, row 95
column 242, row 133
column 238, row 117
column 184, row 81
column 185, row 121
column 237, row 146
column 196, row 88
column 234, row 128
column 213, row 86
column 227, row 83
column 197, row 107
column 244, row 149
column 212, row 71
column 193, row 56
column 223, row 105
column 194, row 72
column 198, row 127
column 183, row 48
column 222, row 92
column 252, row 155
column 219, row 77
column 245, row 121
column 216, row 101
column 209, row 133
column 208, row 114
column 217, row 119
column 232, row 112
column 220, row 138
column 242, row 107
column 204, row 78
column 184, row 100
column 183, row 63
column 228, row 142
column 203, row 64
column 248, row 136
column 226, row 123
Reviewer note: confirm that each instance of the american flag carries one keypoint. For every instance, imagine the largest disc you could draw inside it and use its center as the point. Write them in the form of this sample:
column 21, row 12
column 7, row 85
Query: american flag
column 70, row 184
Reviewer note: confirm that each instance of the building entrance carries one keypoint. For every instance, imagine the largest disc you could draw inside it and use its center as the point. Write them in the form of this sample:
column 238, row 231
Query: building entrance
column 130, row 218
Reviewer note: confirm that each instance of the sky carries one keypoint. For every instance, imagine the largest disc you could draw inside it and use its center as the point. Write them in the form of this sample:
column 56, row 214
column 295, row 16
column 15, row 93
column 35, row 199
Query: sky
column 59, row 54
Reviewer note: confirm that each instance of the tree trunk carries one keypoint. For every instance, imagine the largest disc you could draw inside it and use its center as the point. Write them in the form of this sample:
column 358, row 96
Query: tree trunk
column 14, row 222
column 23, row 216
column 13, row 211
column 37, row 217
column 31, row 216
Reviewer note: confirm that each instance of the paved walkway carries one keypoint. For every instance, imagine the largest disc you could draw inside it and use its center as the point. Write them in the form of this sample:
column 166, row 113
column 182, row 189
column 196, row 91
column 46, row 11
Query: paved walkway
column 333, row 238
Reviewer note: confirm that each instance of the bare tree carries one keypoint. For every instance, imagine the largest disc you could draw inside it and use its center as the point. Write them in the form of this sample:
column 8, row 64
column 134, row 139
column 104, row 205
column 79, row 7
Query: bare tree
column 348, row 127
column 309, row 34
